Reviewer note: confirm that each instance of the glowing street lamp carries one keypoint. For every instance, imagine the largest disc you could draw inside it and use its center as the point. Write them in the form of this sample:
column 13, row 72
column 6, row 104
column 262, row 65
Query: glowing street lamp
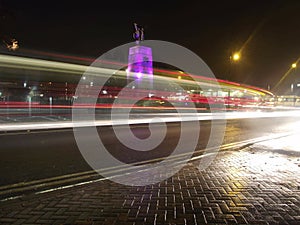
column 236, row 56
column 294, row 65
column 233, row 64
column 292, row 69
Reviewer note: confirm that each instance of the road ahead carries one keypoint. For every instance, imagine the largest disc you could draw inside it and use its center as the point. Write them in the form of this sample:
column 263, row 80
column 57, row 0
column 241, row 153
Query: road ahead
column 257, row 184
column 27, row 156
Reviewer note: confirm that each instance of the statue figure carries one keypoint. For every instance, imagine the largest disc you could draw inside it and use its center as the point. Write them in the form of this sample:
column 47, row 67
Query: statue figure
column 138, row 35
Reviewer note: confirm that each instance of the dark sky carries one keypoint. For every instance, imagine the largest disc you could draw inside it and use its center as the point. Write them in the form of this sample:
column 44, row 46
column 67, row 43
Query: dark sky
column 211, row 29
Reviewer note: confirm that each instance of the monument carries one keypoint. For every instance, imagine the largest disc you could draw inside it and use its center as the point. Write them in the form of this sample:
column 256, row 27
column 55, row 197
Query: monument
column 140, row 68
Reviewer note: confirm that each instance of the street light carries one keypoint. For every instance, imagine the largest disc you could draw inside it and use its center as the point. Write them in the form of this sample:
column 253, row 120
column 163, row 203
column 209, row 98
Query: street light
column 232, row 69
column 236, row 56
column 292, row 69
column 294, row 65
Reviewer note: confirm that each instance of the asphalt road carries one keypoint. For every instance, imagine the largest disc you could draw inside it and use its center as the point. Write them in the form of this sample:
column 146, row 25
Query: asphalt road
column 27, row 156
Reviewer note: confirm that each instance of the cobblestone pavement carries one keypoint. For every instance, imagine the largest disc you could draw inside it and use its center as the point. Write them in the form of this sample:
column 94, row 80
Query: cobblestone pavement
column 240, row 187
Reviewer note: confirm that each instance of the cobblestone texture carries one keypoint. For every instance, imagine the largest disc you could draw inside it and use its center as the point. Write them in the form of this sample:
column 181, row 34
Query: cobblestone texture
column 241, row 187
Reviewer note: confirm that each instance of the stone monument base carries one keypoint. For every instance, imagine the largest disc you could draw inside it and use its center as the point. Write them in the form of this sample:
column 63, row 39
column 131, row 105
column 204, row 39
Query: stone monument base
column 140, row 68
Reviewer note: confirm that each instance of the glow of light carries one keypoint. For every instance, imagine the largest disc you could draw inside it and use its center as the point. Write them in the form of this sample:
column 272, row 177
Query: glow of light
column 91, row 83
column 179, row 77
column 13, row 46
column 139, row 75
column 290, row 143
column 166, row 117
column 236, row 56
column 293, row 66
column 104, row 92
column 51, row 66
column 269, row 164
column 83, row 77
column 25, row 84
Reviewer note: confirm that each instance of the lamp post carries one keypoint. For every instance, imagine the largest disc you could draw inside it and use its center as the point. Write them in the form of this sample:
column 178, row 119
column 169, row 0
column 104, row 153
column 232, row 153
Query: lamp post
column 234, row 59
column 291, row 70
column 293, row 66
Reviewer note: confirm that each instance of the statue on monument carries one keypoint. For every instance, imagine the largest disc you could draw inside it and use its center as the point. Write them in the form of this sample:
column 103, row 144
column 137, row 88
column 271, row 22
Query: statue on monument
column 138, row 34
column 140, row 68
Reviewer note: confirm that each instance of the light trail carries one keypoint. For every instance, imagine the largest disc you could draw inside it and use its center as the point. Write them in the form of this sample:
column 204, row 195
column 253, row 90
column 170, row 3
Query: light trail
column 17, row 62
column 148, row 118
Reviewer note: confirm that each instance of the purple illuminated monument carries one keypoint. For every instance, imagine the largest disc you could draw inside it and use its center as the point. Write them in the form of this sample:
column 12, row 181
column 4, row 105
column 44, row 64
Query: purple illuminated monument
column 140, row 68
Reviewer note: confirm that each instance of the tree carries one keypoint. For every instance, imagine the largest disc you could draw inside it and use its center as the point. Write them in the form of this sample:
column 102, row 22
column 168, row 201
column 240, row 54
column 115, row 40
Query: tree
column 6, row 16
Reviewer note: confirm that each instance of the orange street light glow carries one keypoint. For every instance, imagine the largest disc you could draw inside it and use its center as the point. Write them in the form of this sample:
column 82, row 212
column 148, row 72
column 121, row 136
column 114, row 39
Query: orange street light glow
column 236, row 56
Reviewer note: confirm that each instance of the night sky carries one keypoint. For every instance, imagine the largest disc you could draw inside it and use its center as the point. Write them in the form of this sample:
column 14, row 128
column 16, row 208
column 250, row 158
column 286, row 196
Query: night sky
column 211, row 29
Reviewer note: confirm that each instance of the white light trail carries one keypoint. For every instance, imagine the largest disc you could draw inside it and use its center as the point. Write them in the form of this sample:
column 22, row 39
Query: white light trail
column 164, row 117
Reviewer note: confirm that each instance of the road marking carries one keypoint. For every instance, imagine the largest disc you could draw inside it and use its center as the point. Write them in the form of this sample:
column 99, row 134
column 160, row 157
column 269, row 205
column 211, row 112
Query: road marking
column 22, row 132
